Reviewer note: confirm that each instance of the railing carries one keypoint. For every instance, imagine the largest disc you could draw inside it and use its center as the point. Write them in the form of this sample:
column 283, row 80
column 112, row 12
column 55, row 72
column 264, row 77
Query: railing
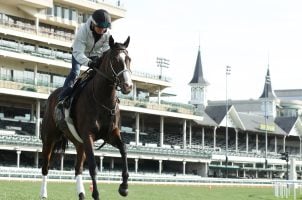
column 279, row 187
column 40, row 88
column 31, row 29
column 151, row 76
column 156, row 106
column 33, row 141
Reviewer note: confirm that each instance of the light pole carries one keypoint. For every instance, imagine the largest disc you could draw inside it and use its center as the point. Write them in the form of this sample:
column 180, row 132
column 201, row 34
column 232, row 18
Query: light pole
column 162, row 62
column 267, row 81
column 227, row 72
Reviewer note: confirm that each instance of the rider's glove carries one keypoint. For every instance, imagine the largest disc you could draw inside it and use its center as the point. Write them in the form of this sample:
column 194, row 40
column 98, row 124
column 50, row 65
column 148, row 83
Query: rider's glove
column 94, row 62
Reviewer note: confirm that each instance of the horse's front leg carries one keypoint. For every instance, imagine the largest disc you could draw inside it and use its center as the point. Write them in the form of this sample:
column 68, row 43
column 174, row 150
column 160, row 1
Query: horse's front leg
column 88, row 144
column 123, row 189
column 46, row 154
column 78, row 171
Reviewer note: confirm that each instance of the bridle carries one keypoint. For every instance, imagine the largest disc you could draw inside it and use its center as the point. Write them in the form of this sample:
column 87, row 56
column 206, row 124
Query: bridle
column 114, row 80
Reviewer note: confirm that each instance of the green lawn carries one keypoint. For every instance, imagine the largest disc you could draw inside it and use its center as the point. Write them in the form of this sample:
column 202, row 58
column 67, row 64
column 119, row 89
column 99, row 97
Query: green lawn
column 17, row 190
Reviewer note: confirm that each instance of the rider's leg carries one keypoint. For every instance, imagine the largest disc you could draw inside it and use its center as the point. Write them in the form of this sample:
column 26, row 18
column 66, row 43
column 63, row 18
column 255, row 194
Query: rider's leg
column 69, row 81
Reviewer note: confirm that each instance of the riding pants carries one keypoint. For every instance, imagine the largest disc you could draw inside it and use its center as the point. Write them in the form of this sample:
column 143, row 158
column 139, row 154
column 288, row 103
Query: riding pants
column 69, row 81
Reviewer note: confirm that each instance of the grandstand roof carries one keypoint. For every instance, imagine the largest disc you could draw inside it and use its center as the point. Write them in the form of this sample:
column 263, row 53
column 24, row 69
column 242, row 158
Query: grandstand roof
column 289, row 124
column 207, row 120
column 217, row 113
column 256, row 123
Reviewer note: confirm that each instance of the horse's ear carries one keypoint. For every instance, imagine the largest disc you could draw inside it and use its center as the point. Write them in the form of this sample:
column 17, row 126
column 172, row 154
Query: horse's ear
column 111, row 41
column 126, row 43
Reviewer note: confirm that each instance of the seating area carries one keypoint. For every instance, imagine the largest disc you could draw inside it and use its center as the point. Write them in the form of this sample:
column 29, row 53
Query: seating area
column 17, row 46
column 19, row 126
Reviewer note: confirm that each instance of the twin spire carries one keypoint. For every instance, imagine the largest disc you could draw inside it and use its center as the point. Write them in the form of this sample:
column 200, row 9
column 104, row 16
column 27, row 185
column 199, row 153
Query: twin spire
column 198, row 72
column 268, row 92
column 198, row 79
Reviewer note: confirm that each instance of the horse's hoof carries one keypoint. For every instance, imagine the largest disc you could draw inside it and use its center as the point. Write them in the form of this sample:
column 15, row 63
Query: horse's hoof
column 123, row 190
column 81, row 196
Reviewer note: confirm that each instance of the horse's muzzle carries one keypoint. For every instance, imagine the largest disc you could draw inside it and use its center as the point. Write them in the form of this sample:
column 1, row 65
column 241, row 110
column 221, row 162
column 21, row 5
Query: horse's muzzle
column 126, row 88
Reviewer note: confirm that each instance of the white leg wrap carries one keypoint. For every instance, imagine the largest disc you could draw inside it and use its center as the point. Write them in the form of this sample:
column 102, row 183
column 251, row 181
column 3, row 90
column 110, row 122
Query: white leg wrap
column 43, row 192
column 80, row 185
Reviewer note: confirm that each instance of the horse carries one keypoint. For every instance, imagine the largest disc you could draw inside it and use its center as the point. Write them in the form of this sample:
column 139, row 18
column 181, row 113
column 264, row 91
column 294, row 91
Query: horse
column 96, row 115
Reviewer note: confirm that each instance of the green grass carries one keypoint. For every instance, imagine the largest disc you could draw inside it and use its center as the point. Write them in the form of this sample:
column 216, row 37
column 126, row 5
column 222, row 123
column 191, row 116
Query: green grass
column 18, row 190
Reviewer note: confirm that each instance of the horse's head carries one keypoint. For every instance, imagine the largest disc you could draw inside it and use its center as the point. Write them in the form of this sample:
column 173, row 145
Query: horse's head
column 119, row 65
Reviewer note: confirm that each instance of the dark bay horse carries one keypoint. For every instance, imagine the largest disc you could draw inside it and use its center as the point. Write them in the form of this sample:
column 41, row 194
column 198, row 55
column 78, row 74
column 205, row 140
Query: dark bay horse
column 96, row 115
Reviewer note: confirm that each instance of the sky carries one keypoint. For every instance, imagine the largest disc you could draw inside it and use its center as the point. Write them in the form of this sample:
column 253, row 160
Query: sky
column 248, row 35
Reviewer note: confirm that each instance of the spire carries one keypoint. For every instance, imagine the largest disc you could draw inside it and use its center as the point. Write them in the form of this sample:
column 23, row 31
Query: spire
column 267, row 90
column 198, row 73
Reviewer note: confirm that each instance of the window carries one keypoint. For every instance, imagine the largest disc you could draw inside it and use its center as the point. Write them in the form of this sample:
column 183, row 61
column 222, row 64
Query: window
column 50, row 11
column 29, row 77
column 43, row 79
column 72, row 15
column 58, row 11
column 58, row 81
column 65, row 13
column 5, row 74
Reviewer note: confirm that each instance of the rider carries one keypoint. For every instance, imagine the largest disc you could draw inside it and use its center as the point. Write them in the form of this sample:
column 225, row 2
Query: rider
column 91, row 40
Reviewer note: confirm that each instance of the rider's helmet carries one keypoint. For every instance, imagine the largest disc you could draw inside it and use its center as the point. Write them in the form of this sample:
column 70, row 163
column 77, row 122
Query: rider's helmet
column 101, row 18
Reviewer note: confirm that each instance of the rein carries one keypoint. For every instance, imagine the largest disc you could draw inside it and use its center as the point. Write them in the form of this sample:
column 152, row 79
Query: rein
column 114, row 80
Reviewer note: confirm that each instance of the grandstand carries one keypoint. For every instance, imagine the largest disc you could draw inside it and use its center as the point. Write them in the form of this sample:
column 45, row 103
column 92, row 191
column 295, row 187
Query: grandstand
column 162, row 137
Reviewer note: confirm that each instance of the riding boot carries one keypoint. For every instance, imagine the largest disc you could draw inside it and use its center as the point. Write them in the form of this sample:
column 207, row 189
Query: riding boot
column 63, row 103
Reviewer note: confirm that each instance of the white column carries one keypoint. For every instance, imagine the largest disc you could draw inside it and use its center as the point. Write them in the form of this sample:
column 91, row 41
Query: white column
column 257, row 142
column 136, row 165
column 300, row 146
column 247, row 142
column 18, row 158
column 184, row 167
column 160, row 167
column 236, row 140
column 276, row 143
column 62, row 162
column 137, row 129
column 292, row 170
column 37, row 159
column 36, row 74
column 284, row 138
column 161, row 136
column 159, row 95
column 134, row 91
column 101, row 163
column 37, row 25
column 214, row 138
column 37, row 130
column 190, row 135
column 184, row 128
column 202, row 138
column 32, row 112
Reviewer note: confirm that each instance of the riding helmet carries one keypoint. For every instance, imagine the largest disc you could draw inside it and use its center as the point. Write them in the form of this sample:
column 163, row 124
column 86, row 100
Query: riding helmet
column 101, row 18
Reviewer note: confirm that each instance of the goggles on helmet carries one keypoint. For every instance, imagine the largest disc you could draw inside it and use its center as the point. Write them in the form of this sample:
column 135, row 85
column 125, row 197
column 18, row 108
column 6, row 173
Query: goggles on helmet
column 102, row 24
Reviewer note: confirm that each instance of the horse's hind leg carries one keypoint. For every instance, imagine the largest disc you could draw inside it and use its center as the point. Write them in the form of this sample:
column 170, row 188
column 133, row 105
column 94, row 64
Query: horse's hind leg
column 78, row 171
column 91, row 164
column 123, row 189
column 46, row 154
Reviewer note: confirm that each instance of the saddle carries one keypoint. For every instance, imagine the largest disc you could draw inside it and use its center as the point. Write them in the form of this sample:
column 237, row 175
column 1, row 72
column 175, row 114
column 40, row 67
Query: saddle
column 63, row 116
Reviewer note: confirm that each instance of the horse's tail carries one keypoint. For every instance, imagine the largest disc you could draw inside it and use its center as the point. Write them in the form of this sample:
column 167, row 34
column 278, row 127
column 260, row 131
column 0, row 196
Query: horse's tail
column 61, row 145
